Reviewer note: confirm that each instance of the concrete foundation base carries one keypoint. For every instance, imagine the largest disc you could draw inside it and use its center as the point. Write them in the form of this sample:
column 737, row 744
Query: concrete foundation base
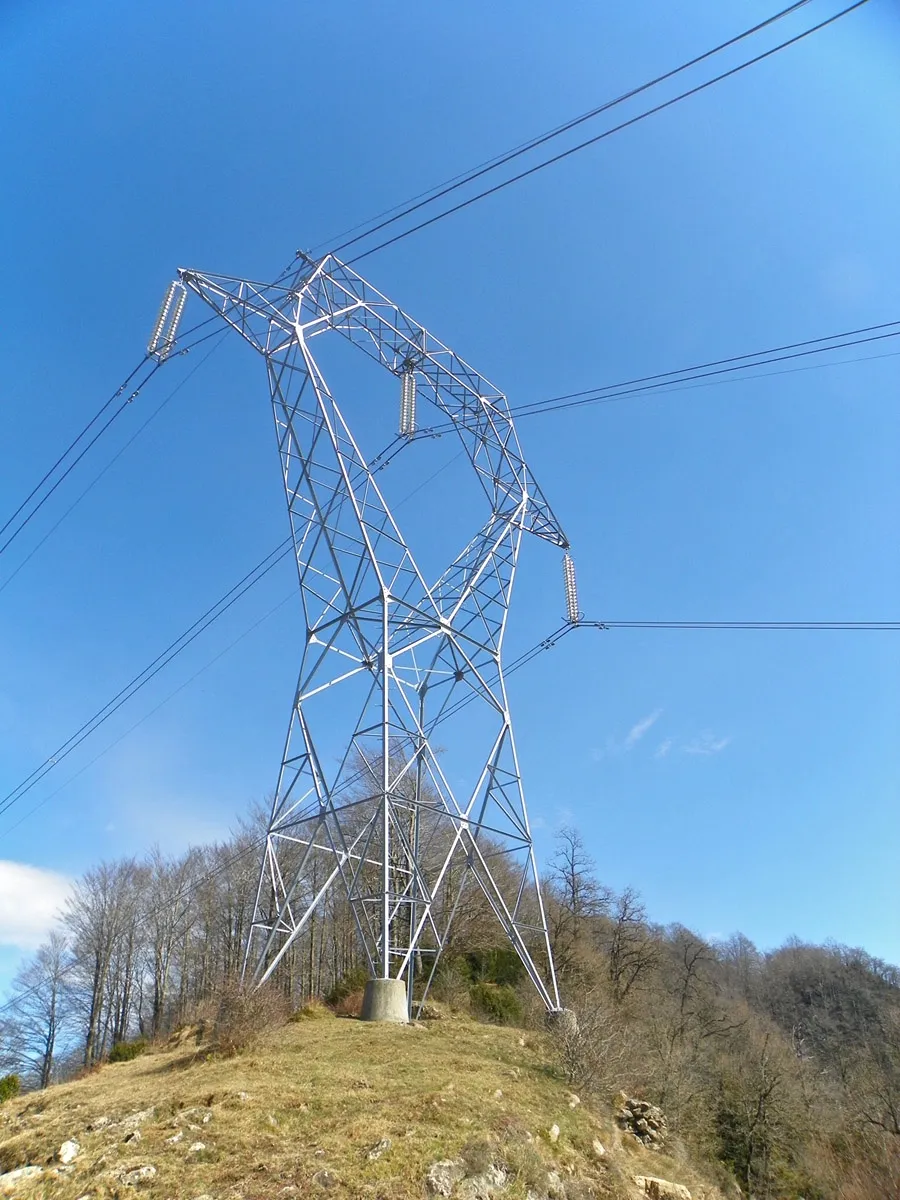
column 562, row 1021
column 385, row 1000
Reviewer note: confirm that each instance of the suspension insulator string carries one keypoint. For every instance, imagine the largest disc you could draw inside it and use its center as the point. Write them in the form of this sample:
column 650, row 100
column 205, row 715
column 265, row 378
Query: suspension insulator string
column 408, row 402
column 573, row 614
column 162, row 339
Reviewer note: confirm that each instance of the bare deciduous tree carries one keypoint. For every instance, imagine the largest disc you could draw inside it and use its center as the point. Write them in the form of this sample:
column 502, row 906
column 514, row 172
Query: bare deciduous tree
column 631, row 951
column 99, row 915
column 41, row 1009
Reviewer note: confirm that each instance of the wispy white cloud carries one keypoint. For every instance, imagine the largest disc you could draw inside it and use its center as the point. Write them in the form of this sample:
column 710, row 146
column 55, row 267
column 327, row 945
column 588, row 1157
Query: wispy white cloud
column 637, row 731
column 30, row 899
column 706, row 743
column 614, row 747
column 664, row 747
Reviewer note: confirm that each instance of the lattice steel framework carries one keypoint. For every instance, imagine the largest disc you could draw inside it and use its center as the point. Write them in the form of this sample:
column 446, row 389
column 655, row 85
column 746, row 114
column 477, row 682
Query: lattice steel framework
column 402, row 654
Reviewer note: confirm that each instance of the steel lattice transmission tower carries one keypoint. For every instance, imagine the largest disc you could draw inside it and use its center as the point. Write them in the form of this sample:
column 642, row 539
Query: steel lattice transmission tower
column 389, row 656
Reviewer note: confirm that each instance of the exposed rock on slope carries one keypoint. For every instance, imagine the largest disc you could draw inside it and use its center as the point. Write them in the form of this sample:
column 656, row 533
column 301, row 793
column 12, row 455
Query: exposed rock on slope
column 332, row 1107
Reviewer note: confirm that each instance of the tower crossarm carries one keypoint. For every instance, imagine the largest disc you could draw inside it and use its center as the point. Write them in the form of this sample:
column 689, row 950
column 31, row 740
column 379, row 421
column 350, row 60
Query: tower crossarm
column 329, row 295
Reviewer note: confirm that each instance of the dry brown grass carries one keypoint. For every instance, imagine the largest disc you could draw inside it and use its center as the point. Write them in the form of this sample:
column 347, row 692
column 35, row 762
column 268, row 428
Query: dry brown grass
column 317, row 1095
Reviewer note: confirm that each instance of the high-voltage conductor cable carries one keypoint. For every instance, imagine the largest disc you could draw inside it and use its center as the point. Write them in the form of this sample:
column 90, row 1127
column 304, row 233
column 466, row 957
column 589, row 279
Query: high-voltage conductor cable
column 785, row 626
column 140, row 680
column 94, row 419
column 721, row 367
column 714, row 371
column 183, row 894
column 212, row 614
column 522, row 660
column 115, row 458
column 406, row 207
column 642, row 116
column 292, row 595
column 48, row 475
column 258, row 843
column 157, row 360
column 280, row 552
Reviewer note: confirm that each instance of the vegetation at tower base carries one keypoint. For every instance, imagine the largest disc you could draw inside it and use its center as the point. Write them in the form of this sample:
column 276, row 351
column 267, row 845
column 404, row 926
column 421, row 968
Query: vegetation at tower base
column 704, row 1065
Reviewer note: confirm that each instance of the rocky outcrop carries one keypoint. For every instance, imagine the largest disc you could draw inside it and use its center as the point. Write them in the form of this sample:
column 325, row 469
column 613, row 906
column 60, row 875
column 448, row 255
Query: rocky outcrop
column 661, row 1189
column 443, row 1176
column 68, row 1152
column 483, row 1185
column 137, row 1175
column 134, row 1119
column 644, row 1121
column 450, row 1178
column 10, row 1181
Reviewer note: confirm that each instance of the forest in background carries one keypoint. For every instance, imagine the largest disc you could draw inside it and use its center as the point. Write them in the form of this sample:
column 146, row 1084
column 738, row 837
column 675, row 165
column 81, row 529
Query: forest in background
column 781, row 1068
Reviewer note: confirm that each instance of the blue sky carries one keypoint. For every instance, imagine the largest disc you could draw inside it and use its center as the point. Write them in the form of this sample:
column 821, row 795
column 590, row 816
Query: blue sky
column 739, row 780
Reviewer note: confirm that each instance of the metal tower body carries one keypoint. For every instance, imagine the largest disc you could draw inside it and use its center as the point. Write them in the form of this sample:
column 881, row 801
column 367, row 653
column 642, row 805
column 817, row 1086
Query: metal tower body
column 389, row 656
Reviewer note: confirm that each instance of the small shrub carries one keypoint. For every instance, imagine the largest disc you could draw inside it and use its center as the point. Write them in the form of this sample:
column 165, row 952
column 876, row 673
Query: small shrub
column 451, row 985
column 528, row 1168
column 496, row 1002
column 350, row 1005
column 353, row 981
column 497, row 964
column 511, row 1130
column 10, row 1085
column 313, row 1010
column 126, row 1051
column 242, row 1016
column 84, row 1071
column 478, row 1155
column 202, row 1016
column 423, row 1011
column 595, row 1051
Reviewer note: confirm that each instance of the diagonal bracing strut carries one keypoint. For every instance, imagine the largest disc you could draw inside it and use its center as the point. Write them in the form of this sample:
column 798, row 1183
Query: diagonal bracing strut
column 387, row 655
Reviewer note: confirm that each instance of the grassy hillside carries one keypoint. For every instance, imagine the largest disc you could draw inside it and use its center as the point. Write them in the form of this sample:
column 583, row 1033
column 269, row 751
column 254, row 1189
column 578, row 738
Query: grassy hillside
column 329, row 1106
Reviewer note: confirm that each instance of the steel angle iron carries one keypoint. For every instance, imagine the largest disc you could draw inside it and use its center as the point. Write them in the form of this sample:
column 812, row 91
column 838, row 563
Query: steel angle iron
column 400, row 652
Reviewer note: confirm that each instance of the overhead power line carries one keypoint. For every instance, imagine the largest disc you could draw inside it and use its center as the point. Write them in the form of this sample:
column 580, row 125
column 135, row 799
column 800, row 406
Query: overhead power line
column 280, row 552
column 450, row 186
column 253, row 846
column 162, row 660
column 152, row 712
column 714, row 371
column 721, row 367
column 102, row 715
column 406, row 207
column 523, row 659
column 787, row 626
column 68, row 450
column 76, row 444
column 116, row 413
column 707, row 370
column 111, row 462
column 662, row 106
